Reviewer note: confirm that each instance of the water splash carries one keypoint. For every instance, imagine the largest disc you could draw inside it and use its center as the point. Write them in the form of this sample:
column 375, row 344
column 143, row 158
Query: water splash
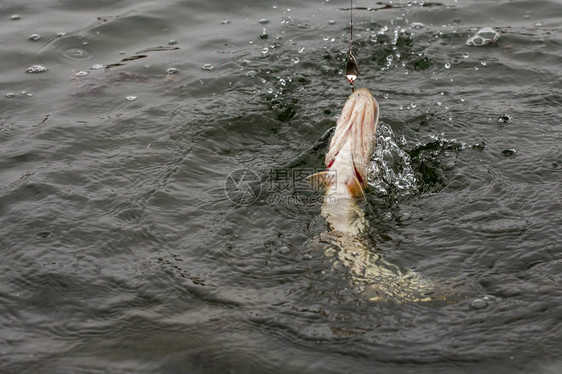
column 390, row 169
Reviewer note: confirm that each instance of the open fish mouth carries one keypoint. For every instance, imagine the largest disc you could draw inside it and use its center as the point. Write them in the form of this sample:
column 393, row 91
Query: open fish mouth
column 356, row 133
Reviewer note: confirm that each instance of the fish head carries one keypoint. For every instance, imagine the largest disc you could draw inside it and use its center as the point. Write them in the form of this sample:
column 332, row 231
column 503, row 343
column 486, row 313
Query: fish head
column 354, row 139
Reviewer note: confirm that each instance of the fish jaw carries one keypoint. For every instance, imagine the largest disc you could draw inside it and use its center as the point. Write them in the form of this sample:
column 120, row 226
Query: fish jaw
column 353, row 142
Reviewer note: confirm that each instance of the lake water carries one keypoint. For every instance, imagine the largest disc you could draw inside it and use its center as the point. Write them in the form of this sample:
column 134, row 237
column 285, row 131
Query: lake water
column 126, row 249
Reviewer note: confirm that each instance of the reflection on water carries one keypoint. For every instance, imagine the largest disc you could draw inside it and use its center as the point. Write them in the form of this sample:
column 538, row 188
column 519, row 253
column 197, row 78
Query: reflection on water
column 122, row 252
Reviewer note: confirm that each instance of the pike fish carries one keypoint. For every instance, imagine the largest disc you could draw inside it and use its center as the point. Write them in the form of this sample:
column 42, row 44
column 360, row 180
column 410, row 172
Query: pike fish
column 344, row 181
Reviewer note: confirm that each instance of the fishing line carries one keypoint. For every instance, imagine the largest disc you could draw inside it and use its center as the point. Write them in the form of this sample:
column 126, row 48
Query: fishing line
column 351, row 69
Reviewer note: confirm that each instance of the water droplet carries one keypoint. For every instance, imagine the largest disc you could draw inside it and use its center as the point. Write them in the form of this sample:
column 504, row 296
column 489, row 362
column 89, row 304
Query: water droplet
column 275, row 5
column 96, row 67
column 61, row 34
column 42, row 235
column 10, row 95
column 295, row 60
column 325, row 38
column 483, row 63
column 131, row 98
column 504, row 118
column 539, row 24
column 36, row 69
column 34, row 37
column 225, row 22
column 81, row 73
column 484, row 36
column 263, row 21
column 207, row 67
column 332, row 22
column 389, row 58
column 385, row 96
column 447, row 65
column 417, row 25
column 413, row 105
column 508, row 152
column 265, row 50
column 301, row 49
column 77, row 54
column 171, row 71
column 478, row 304
column 28, row 94
column 15, row 17
column 439, row 103
column 465, row 55
column 172, row 42
column 476, row 68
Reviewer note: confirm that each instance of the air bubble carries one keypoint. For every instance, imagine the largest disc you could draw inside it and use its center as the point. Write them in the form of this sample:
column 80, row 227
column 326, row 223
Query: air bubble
column 172, row 42
column 81, row 73
column 263, row 21
column 483, row 63
column 10, row 95
column 171, row 71
column 15, row 17
column 447, row 65
column 413, row 104
column 225, row 22
column 34, row 37
column 207, row 67
column 131, row 98
column 331, row 22
column 96, row 67
column 265, row 50
column 417, row 25
column 61, row 34
column 465, row 55
column 295, row 60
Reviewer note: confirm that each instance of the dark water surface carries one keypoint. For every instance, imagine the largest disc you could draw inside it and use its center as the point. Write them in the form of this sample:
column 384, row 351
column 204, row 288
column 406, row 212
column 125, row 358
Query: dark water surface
column 121, row 252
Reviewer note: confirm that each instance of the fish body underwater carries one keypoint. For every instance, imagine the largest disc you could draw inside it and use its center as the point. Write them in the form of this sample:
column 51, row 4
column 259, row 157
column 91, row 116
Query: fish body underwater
column 344, row 181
